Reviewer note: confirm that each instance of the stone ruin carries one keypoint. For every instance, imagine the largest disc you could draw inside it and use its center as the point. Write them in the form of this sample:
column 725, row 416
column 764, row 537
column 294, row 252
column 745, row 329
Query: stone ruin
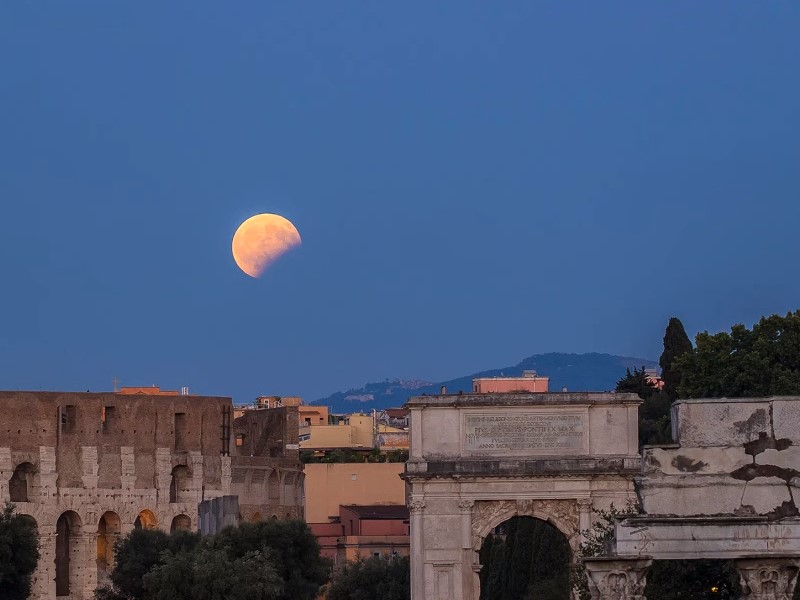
column 727, row 489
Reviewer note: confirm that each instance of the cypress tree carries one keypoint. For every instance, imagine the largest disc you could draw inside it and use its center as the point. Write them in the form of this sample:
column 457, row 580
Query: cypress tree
column 676, row 343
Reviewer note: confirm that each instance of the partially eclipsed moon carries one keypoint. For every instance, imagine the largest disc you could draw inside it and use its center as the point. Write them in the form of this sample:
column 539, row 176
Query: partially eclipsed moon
column 261, row 240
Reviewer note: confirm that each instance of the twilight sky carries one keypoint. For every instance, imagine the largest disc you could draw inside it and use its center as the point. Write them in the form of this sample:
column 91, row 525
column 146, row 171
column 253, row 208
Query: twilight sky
column 474, row 182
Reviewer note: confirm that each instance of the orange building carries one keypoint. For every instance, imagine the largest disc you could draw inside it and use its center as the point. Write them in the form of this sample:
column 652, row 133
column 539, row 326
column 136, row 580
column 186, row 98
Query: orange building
column 529, row 382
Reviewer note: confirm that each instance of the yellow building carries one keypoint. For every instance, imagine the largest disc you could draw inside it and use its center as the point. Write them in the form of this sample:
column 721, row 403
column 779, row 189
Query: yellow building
column 359, row 431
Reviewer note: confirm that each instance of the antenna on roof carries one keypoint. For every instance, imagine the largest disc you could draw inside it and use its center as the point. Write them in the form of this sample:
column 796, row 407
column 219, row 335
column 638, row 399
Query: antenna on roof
column 115, row 381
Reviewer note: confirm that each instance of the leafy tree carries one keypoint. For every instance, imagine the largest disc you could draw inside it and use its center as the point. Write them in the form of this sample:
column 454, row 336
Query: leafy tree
column 676, row 344
column 763, row 361
column 19, row 554
column 371, row 578
column 294, row 551
column 206, row 574
column 136, row 554
column 654, row 413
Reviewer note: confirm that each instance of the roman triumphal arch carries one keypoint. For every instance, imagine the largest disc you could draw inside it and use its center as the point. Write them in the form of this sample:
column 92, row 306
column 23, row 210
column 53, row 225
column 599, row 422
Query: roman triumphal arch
column 477, row 460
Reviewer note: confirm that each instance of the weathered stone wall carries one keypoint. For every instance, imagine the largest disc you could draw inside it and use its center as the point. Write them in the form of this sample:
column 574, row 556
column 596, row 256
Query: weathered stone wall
column 267, row 474
column 747, row 450
column 104, row 463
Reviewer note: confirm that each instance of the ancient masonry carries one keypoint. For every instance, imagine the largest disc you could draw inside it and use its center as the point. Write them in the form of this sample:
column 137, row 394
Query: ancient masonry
column 727, row 489
column 88, row 468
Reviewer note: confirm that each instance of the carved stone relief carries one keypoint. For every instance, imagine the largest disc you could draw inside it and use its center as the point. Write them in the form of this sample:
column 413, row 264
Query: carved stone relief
column 486, row 515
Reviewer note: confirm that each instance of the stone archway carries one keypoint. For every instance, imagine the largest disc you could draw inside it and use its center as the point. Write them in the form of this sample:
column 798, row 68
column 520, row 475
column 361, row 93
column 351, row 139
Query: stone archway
column 181, row 523
column 146, row 520
column 478, row 460
column 564, row 515
column 68, row 529
column 108, row 532
column 19, row 486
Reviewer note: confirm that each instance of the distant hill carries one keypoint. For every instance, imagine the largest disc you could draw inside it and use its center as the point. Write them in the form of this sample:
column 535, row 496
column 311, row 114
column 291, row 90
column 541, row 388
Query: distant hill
column 576, row 372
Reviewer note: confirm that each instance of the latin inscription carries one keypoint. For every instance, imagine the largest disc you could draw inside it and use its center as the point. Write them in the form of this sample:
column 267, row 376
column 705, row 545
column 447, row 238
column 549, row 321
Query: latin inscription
column 529, row 432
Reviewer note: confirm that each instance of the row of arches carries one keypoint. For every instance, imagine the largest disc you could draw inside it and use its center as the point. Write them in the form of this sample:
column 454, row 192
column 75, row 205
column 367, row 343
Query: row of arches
column 22, row 481
column 69, row 528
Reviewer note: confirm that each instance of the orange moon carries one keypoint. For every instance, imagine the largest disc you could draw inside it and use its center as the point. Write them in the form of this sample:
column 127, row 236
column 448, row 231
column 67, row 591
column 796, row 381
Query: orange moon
column 261, row 240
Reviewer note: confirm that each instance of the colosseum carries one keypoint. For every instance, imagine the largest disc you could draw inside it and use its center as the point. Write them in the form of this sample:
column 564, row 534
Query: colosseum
column 87, row 468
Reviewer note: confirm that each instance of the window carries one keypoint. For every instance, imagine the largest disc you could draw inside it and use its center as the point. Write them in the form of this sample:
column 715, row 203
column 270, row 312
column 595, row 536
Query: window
column 108, row 418
column 180, row 431
column 376, row 554
column 68, row 419
column 239, row 440
column 308, row 420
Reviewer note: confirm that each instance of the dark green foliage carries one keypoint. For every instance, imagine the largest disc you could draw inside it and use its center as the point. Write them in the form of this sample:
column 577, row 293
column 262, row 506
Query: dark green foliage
column 19, row 554
column 763, row 361
column 345, row 455
column 137, row 553
column 692, row 580
column 676, row 344
column 293, row 549
column 528, row 559
column 274, row 560
column 654, row 413
column 207, row 574
column 372, row 579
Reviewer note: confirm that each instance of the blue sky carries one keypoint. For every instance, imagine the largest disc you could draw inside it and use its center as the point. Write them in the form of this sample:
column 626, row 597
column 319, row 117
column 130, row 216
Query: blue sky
column 474, row 182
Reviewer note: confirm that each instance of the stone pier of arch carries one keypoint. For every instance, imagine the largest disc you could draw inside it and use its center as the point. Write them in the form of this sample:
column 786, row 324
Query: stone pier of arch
column 477, row 460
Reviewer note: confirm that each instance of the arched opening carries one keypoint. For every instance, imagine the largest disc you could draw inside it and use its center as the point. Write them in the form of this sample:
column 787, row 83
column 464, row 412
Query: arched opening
column 108, row 530
column 145, row 520
column 19, row 486
column 256, row 517
column 523, row 558
column 181, row 523
column 179, row 486
column 274, row 488
column 68, row 527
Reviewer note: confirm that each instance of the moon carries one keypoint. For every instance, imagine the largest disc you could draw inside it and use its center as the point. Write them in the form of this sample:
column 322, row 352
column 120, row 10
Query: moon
column 261, row 240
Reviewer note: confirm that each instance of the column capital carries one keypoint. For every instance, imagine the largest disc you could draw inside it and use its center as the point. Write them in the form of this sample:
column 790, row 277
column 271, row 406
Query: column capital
column 466, row 505
column 617, row 578
column 585, row 503
column 416, row 506
column 768, row 577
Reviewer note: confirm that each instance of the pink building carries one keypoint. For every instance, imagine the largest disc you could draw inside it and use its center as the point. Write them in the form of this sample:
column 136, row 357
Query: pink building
column 529, row 382
column 378, row 530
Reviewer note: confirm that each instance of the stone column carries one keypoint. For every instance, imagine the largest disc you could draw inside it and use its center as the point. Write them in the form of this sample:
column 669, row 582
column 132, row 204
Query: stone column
column 416, row 507
column 467, row 575
column 225, row 470
column 6, row 471
column 83, row 564
column 617, row 578
column 127, row 458
column 768, row 577
column 44, row 578
column 89, row 467
column 584, row 517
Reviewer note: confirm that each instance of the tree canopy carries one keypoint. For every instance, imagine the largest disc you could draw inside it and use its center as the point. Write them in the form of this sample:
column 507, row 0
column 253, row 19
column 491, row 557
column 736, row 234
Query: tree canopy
column 761, row 361
column 273, row 560
column 676, row 344
column 19, row 554
column 211, row 574
column 293, row 549
column 374, row 577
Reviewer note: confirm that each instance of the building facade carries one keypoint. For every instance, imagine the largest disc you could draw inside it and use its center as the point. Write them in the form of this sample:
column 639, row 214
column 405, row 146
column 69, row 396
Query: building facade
column 88, row 468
